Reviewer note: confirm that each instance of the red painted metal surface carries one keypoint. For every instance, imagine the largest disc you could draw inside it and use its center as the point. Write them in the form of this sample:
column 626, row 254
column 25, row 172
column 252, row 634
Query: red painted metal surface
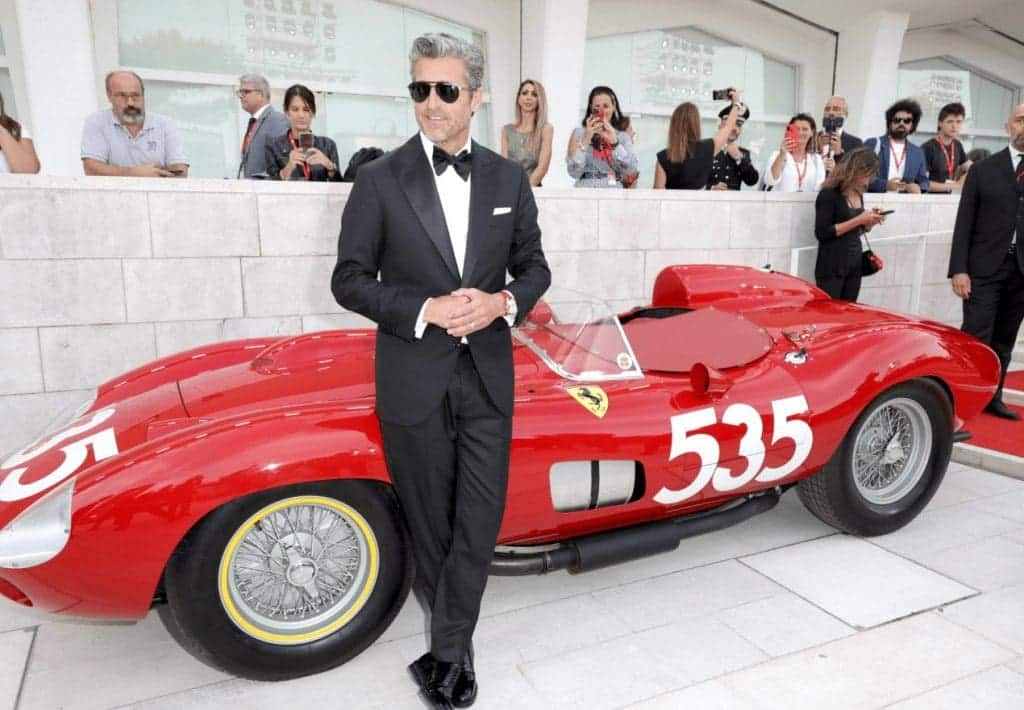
column 200, row 429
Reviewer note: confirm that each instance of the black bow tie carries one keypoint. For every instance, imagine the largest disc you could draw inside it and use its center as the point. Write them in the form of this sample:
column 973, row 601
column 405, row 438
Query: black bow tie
column 461, row 162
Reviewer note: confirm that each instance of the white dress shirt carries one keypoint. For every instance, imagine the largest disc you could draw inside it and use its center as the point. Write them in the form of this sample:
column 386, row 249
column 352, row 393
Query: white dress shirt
column 454, row 193
column 789, row 176
column 1014, row 160
column 896, row 171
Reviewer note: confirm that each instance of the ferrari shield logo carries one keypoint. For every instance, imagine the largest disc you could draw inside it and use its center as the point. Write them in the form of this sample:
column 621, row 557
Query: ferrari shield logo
column 593, row 399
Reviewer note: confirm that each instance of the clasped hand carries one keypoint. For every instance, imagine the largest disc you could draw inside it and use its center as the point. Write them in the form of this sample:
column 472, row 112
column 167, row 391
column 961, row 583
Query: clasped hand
column 464, row 311
column 599, row 126
column 312, row 156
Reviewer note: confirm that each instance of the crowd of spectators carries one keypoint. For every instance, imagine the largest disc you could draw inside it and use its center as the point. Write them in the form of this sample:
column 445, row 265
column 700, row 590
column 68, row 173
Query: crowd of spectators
column 128, row 140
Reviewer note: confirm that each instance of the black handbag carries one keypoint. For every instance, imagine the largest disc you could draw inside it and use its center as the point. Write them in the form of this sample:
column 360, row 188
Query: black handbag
column 870, row 262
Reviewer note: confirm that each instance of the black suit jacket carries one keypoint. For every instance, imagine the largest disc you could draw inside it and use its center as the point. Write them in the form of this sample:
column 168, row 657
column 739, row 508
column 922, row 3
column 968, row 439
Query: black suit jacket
column 848, row 141
column 277, row 151
column 393, row 225
column 986, row 217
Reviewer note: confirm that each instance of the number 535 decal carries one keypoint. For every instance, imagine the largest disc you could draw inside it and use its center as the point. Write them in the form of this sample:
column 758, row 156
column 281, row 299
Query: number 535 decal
column 752, row 448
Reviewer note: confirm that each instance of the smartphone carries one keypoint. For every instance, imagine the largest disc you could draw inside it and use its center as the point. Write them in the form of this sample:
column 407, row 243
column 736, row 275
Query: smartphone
column 177, row 171
column 600, row 113
column 306, row 140
column 793, row 133
column 886, row 211
column 720, row 95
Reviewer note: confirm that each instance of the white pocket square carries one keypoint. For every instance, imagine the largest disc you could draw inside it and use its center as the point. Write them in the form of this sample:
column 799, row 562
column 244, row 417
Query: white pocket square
column 502, row 210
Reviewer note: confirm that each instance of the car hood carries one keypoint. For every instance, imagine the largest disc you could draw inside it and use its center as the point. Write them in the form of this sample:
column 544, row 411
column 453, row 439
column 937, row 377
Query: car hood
column 307, row 369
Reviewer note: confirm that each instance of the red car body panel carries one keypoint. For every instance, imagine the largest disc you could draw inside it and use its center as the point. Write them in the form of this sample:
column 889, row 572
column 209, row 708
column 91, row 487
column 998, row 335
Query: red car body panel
column 202, row 428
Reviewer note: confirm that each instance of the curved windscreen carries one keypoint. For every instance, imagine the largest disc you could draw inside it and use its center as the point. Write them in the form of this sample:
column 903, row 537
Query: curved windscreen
column 579, row 337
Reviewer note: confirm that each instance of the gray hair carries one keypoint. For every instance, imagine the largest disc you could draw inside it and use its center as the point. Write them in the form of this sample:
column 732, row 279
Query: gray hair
column 110, row 75
column 435, row 46
column 260, row 81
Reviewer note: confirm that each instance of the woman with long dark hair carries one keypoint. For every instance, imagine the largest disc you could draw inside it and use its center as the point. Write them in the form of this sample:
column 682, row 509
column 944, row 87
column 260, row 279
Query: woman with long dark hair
column 600, row 152
column 528, row 140
column 686, row 162
column 17, row 154
column 298, row 154
column 797, row 166
column 839, row 221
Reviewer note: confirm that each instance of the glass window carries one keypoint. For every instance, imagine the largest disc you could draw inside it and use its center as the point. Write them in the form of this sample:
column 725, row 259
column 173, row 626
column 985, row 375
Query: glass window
column 352, row 53
column 667, row 67
column 936, row 82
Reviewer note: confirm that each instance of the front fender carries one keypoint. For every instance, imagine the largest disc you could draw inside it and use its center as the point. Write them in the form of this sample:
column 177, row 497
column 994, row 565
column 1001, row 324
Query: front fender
column 129, row 514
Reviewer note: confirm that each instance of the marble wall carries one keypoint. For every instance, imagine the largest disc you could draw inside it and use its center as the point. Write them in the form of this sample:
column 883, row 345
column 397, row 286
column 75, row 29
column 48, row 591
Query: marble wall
column 98, row 275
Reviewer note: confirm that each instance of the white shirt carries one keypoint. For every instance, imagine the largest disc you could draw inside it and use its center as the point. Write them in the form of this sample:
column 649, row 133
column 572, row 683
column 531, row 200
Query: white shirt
column 454, row 194
column 4, row 166
column 1014, row 159
column 894, row 151
column 263, row 110
column 789, row 176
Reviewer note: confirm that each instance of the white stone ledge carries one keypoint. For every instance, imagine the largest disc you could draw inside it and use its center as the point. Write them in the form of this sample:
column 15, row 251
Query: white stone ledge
column 98, row 274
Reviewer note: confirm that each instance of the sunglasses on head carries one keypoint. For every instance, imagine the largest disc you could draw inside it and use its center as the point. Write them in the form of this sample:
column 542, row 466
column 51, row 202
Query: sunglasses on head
column 907, row 120
column 445, row 90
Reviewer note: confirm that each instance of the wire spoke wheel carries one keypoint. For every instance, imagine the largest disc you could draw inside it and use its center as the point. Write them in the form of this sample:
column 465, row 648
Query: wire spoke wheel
column 298, row 570
column 891, row 451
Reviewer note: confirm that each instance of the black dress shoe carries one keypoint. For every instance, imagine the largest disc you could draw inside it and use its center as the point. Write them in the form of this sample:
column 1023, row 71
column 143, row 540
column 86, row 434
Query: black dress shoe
column 437, row 693
column 999, row 409
column 421, row 668
column 464, row 693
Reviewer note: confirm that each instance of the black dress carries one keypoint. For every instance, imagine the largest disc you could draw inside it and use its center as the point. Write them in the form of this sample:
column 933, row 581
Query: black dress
column 692, row 173
column 277, row 151
column 837, row 270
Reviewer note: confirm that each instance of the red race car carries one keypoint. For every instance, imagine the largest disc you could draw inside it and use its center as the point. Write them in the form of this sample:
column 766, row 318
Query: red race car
column 241, row 487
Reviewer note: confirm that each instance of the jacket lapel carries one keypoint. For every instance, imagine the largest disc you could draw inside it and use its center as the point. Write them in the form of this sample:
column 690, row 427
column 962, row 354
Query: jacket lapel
column 414, row 175
column 483, row 184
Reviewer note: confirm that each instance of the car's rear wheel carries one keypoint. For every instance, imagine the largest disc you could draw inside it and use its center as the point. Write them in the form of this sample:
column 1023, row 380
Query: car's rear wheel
column 290, row 581
column 889, row 465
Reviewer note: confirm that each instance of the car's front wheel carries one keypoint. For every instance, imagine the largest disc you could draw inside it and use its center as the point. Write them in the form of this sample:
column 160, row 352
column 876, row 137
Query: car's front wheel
column 290, row 581
column 889, row 465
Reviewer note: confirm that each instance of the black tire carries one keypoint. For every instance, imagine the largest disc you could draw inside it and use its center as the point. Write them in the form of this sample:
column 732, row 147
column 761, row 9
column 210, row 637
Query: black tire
column 845, row 495
column 208, row 603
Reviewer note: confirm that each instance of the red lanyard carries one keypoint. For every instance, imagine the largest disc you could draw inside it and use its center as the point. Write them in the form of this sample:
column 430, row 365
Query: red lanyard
column 950, row 157
column 898, row 159
column 800, row 174
column 305, row 166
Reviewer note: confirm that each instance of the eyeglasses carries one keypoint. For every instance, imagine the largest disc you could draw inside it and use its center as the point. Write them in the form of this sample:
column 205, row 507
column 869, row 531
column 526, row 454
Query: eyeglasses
column 242, row 93
column 908, row 120
column 445, row 90
column 134, row 96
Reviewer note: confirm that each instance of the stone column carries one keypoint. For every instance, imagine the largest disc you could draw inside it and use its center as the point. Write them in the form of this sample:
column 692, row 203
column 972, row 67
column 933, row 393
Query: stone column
column 59, row 74
column 868, row 67
column 554, row 36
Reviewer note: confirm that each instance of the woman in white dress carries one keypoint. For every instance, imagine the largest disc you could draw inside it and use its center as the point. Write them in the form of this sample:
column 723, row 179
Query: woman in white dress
column 17, row 154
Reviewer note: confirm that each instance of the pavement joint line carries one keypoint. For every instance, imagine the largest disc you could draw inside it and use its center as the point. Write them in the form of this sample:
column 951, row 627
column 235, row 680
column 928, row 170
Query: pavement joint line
column 28, row 662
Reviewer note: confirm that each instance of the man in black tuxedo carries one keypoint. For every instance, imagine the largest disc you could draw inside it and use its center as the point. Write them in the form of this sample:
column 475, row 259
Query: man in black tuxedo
column 987, row 260
column 836, row 143
column 442, row 219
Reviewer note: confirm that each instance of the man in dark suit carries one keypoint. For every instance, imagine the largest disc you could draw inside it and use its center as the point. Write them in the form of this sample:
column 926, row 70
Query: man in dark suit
column 986, row 263
column 265, row 123
column 441, row 220
column 837, row 142
column 902, row 166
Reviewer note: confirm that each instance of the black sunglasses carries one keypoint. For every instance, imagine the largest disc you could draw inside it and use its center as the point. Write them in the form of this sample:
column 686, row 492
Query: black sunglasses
column 445, row 90
column 906, row 120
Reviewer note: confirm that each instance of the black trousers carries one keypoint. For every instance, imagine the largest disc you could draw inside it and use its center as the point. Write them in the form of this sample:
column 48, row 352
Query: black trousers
column 845, row 287
column 451, row 474
column 994, row 311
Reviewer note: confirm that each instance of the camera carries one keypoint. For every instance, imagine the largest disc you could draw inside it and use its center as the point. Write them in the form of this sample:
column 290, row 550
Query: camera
column 721, row 95
column 831, row 124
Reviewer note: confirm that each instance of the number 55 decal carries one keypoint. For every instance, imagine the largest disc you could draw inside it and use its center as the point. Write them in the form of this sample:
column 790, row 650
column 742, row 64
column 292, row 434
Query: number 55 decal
column 784, row 426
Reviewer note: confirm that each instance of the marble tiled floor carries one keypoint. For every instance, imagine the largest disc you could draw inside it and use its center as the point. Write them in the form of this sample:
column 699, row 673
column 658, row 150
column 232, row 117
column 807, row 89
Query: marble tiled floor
column 778, row 612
